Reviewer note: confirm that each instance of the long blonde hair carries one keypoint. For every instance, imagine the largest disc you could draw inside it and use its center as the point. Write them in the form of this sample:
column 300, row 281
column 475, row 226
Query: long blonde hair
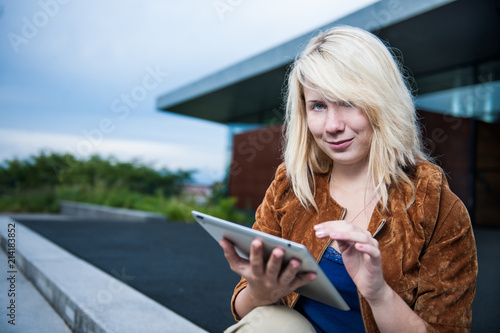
column 352, row 65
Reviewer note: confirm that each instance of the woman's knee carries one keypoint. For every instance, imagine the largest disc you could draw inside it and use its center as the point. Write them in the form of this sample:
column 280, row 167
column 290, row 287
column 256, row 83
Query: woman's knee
column 272, row 318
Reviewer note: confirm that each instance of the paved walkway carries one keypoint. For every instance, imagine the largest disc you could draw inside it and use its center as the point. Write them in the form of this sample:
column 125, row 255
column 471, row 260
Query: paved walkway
column 181, row 267
column 85, row 297
column 176, row 264
column 31, row 312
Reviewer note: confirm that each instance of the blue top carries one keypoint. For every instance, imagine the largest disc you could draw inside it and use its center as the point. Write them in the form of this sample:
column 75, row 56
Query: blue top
column 325, row 318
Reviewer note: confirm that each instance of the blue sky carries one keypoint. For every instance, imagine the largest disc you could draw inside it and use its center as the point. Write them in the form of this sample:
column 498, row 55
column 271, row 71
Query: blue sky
column 83, row 76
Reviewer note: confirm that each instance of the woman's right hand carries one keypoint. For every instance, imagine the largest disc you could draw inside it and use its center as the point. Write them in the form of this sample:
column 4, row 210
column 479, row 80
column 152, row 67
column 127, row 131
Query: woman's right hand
column 267, row 282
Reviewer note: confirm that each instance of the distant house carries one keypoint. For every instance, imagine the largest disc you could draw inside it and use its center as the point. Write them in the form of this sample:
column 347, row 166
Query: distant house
column 199, row 193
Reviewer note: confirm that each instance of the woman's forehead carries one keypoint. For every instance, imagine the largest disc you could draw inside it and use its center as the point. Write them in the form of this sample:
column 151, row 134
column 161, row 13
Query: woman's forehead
column 312, row 93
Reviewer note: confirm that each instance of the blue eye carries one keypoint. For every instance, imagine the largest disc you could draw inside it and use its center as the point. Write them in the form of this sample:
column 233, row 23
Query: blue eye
column 318, row 106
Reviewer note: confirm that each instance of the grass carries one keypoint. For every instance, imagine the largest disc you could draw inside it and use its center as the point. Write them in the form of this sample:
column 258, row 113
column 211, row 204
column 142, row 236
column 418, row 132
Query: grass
column 38, row 183
column 174, row 208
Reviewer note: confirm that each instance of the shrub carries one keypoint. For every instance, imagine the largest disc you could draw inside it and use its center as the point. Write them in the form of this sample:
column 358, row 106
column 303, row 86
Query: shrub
column 37, row 184
column 52, row 169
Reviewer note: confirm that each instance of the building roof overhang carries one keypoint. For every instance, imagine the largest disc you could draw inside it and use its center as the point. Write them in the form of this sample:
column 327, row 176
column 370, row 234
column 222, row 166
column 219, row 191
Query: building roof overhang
column 432, row 35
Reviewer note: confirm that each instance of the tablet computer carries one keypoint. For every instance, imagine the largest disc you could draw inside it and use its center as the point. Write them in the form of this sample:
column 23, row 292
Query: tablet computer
column 321, row 289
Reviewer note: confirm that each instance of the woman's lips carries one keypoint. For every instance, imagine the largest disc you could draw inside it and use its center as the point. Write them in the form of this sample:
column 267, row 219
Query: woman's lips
column 338, row 145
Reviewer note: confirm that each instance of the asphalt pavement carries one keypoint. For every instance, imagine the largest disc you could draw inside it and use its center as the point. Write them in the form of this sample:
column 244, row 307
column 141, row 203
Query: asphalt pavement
column 180, row 266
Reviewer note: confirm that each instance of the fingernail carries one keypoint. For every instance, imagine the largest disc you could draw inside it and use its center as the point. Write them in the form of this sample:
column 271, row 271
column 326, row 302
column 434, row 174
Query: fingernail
column 320, row 233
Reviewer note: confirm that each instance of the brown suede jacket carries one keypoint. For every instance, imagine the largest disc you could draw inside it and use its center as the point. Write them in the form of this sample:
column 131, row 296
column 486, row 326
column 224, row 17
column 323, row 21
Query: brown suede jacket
column 428, row 250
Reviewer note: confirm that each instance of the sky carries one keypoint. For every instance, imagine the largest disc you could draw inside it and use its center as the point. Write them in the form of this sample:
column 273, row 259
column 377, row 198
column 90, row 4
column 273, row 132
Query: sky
column 83, row 76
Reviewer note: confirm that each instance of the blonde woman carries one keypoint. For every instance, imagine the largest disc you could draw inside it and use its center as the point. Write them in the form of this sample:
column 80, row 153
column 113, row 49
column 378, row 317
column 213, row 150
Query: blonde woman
column 357, row 189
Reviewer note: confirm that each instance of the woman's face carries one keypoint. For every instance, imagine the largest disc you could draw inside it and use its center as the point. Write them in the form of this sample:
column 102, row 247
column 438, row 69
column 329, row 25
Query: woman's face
column 341, row 131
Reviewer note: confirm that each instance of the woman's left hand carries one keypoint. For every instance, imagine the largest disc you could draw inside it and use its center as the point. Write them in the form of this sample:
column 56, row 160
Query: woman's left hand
column 361, row 257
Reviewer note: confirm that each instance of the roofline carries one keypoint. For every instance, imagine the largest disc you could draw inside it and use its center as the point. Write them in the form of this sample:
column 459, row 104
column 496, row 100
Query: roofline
column 376, row 16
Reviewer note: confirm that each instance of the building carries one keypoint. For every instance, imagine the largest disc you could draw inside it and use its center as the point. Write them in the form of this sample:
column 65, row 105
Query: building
column 453, row 51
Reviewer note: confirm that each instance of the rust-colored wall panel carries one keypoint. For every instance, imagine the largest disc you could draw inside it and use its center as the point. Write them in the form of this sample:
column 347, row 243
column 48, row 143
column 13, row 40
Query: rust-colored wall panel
column 256, row 156
column 487, row 210
column 448, row 140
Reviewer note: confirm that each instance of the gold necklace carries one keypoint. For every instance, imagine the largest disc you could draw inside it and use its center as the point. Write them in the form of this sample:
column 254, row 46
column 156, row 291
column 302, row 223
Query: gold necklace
column 366, row 205
column 355, row 217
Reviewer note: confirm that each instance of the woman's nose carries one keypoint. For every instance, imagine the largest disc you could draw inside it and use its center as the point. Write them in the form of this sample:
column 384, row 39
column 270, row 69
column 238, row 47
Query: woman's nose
column 334, row 121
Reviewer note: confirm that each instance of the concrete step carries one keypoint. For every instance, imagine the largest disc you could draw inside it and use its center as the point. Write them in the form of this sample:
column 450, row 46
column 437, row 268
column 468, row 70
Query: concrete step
column 29, row 312
column 86, row 298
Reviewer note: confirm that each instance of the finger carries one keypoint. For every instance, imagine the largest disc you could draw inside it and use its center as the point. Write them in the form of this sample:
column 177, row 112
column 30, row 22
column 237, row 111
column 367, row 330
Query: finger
column 302, row 279
column 229, row 250
column 344, row 246
column 373, row 253
column 236, row 263
column 275, row 263
column 357, row 236
column 256, row 257
column 290, row 272
column 321, row 233
column 324, row 230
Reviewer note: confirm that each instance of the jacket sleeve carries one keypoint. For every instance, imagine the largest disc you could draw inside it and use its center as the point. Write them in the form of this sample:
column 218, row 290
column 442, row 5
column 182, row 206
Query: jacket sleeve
column 266, row 220
column 448, row 266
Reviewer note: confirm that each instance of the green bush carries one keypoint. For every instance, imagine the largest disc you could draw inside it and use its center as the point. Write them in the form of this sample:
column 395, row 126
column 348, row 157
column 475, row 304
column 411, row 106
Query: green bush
column 36, row 185
column 51, row 169
column 41, row 200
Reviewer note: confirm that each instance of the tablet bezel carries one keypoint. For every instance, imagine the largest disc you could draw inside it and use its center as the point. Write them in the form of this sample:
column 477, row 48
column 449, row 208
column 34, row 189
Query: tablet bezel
column 321, row 289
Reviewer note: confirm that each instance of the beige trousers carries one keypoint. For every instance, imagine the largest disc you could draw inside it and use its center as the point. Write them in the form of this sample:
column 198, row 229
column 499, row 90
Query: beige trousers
column 272, row 319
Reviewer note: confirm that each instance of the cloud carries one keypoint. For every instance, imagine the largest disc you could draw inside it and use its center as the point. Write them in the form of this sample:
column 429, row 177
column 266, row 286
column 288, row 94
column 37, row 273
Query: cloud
column 102, row 41
column 79, row 57
column 22, row 144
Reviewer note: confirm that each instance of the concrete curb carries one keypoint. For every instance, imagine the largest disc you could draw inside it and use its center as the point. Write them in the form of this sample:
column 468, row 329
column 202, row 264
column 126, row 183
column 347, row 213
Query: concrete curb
column 86, row 210
column 86, row 298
